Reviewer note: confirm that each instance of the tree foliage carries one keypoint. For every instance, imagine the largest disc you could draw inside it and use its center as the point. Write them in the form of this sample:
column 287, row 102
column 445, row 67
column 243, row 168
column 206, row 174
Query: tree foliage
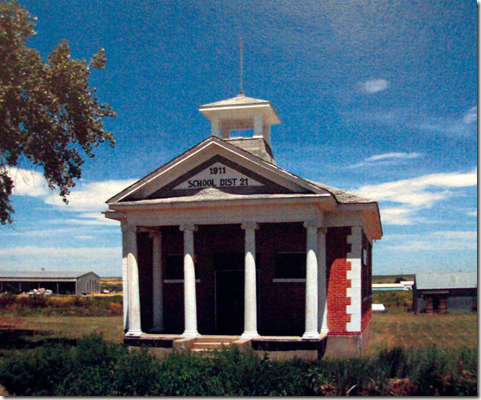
column 50, row 117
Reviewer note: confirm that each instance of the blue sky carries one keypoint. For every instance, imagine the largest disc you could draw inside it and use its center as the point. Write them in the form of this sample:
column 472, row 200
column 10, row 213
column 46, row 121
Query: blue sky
column 375, row 97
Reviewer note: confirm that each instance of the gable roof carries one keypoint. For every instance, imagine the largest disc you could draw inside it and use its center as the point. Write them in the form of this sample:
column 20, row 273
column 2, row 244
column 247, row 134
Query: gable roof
column 343, row 196
column 235, row 151
column 446, row 280
column 254, row 145
column 339, row 195
column 43, row 274
column 147, row 191
column 235, row 101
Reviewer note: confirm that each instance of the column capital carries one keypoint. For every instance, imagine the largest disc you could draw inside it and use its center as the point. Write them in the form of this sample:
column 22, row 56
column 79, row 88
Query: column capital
column 189, row 226
column 312, row 224
column 155, row 234
column 250, row 225
column 128, row 228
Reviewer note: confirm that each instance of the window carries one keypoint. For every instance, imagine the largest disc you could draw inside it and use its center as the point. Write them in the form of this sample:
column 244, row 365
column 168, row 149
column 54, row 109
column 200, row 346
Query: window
column 290, row 267
column 174, row 267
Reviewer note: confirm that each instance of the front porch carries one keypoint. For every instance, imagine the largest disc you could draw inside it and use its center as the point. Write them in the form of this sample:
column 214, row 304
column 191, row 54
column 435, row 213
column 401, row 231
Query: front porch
column 278, row 347
column 240, row 284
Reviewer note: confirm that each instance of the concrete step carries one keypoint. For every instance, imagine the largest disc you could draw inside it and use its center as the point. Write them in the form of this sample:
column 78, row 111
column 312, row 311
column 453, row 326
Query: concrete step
column 217, row 338
column 210, row 345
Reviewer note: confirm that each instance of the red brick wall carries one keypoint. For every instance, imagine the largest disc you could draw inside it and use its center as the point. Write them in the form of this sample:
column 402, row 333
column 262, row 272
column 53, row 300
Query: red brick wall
column 337, row 249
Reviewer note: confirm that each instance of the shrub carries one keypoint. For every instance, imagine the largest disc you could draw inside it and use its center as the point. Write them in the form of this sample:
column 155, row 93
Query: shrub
column 94, row 367
column 394, row 300
column 61, row 305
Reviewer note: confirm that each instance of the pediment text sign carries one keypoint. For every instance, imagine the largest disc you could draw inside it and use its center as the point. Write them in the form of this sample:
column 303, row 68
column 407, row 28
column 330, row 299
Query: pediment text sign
column 218, row 175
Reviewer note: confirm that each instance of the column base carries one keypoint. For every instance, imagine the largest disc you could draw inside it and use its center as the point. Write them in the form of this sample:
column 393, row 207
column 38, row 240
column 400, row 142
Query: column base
column 311, row 335
column 250, row 335
column 324, row 331
column 134, row 333
column 190, row 334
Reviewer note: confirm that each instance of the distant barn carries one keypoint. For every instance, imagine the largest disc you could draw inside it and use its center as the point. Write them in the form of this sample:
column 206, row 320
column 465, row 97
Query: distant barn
column 60, row 282
column 445, row 291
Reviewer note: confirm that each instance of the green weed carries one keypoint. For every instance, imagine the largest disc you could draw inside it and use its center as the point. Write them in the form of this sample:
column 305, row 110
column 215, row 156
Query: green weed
column 95, row 367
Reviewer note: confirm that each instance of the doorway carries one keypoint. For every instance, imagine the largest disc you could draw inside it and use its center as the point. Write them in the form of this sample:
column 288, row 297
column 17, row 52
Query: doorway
column 229, row 294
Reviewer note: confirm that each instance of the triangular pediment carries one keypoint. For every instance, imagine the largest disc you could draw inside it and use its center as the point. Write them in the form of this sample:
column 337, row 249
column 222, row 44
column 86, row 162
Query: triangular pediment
column 222, row 174
column 215, row 166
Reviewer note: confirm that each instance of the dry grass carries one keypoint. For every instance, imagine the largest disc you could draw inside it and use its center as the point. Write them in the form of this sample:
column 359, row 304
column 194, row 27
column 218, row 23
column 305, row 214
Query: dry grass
column 112, row 284
column 32, row 329
column 449, row 331
column 391, row 278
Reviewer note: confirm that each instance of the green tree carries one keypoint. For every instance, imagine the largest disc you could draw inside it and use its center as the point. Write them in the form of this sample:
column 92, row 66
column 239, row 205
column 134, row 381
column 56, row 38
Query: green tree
column 50, row 117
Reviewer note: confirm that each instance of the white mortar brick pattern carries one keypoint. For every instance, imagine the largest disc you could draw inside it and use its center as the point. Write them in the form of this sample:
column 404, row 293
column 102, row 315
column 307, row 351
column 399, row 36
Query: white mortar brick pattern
column 354, row 275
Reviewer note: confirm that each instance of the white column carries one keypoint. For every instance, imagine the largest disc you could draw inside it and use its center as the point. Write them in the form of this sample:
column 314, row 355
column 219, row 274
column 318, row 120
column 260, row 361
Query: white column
column 250, row 293
column 322, row 279
column 125, row 276
column 215, row 128
column 157, row 282
column 312, row 322
column 190, row 303
column 133, row 270
column 258, row 125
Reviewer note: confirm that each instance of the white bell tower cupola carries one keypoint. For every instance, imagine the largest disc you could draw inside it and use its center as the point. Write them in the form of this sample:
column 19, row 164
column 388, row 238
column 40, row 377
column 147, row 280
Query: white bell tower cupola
column 240, row 113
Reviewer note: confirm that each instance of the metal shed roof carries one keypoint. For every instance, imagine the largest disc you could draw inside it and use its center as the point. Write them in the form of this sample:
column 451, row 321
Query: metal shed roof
column 446, row 280
column 43, row 274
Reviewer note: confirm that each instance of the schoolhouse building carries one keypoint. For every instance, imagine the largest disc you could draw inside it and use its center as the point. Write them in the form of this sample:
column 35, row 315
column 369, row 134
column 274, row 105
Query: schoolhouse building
column 221, row 245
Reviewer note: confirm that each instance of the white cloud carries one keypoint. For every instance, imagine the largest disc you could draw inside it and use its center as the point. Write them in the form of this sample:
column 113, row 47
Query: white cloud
column 472, row 213
column 433, row 241
column 374, row 85
column 28, row 182
column 61, row 252
column 104, row 261
column 415, row 194
column 454, row 126
column 392, row 156
column 87, row 199
column 90, row 197
column 471, row 116
column 386, row 159
column 397, row 215
column 95, row 219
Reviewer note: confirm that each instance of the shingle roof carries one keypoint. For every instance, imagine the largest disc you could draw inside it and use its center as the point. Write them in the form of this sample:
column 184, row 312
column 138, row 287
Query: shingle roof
column 234, row 101
column 343, row 196
column 255, row 146
column 42, row 274
column 446, row 280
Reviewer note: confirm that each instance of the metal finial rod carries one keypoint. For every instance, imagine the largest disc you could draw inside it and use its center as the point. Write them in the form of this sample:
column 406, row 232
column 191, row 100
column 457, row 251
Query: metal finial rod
column 241, row 66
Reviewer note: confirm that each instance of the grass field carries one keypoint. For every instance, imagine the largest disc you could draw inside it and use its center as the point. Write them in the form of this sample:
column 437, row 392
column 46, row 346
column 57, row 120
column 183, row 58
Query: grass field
column 402, row 361
column 449, row 331
column 392, row 278
column 409, row 330
column 112, row 284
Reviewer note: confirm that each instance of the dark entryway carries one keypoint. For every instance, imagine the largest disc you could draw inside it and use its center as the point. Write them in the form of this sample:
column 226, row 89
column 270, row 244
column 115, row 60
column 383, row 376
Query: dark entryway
column 229, row 294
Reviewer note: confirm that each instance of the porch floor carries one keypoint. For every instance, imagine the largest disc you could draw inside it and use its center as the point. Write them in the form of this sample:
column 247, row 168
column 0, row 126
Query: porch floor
column 266, row 343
